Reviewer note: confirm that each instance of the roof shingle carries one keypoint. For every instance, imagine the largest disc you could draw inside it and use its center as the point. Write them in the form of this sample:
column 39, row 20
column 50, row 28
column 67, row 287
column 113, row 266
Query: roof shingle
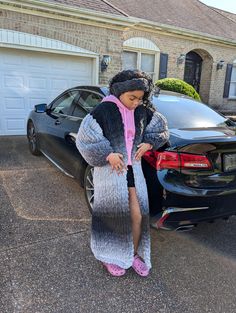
column 186, row 14
column 96, row 5
column 231, row 16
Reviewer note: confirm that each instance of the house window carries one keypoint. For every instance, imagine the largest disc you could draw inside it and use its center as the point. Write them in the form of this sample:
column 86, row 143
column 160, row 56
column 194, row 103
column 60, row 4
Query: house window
column 232, row 88
column 139, row 60
column 130, row 60
column 141, row 53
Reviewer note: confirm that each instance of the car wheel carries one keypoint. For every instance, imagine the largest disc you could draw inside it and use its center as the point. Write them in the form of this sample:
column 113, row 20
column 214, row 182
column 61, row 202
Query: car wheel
column 32, row 139
column 89, row 187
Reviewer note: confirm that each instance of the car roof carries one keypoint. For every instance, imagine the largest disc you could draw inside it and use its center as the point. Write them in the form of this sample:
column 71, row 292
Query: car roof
column 104, row 89
column 90, row 87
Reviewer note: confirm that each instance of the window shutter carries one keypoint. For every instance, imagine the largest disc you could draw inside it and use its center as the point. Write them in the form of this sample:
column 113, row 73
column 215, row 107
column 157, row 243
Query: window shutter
column 227, row 80
column 163, row 65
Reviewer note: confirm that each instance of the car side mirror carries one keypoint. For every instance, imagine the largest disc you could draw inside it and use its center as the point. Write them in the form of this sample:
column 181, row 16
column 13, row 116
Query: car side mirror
column 40, row 108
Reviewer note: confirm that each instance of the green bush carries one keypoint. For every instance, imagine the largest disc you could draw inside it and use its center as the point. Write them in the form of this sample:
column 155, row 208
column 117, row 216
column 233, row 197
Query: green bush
column 178, row 85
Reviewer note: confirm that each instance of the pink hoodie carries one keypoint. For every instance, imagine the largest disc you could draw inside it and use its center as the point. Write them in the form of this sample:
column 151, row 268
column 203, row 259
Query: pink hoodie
column 128, row 121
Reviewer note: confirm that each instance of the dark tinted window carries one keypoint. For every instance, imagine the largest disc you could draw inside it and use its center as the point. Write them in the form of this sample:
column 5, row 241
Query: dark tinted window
column 185, row 113
column 63, row 105
column 79, row 111
column 88, row 100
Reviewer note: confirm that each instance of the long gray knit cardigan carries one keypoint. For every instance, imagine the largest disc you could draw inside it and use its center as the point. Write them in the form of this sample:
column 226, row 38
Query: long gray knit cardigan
column 102, row 132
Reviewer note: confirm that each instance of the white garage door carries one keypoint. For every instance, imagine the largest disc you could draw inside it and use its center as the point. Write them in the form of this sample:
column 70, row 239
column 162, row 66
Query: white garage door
column 28, row 78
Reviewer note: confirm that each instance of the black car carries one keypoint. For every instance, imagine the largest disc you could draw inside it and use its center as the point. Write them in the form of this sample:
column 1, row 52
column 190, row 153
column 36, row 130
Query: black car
column 190, row 180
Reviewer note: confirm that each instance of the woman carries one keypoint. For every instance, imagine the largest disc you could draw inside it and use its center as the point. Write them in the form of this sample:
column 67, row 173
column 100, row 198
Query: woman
column 113, row 138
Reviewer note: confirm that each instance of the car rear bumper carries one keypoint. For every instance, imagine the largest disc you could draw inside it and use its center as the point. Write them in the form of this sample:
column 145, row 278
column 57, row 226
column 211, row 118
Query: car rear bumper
column 176, row 182
column 180, row 205
column 181, row 211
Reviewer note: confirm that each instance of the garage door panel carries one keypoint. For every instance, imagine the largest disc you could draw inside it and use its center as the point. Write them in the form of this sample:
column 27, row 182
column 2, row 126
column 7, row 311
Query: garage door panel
column 15, row 125
column 30, row 78
column 57, row 65
column 83, row 67
column 12, row 60
column 37, row 82
column 57, row 84
column 84, row 81
column 13, row 104
column 38, row 62
column 13, row 81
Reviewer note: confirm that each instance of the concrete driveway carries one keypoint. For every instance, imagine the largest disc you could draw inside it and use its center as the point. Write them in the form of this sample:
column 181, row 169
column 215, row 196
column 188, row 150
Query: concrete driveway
column 46, row 265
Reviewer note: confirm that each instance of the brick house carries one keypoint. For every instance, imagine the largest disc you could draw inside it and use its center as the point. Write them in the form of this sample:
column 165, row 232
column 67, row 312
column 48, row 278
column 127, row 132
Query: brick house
column 47, row 46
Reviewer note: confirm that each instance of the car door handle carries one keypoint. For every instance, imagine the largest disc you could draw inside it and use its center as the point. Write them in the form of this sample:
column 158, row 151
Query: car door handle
column 57, row 122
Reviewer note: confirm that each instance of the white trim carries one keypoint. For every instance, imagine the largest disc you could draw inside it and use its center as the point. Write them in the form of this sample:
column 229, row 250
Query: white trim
column 232, row 96
column 13, row 39
column 141, row 43
column 95, row 75
column 156, row 60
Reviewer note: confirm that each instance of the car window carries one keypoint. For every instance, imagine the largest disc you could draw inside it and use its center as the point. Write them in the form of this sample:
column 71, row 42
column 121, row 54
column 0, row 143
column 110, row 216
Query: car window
column 63, row 105
column 79, row 111
column 88, row 100
column 186, row 113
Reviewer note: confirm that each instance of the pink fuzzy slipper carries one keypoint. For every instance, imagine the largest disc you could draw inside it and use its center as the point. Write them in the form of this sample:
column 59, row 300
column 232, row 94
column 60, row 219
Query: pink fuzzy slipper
column 139, row 266
column 114, row 269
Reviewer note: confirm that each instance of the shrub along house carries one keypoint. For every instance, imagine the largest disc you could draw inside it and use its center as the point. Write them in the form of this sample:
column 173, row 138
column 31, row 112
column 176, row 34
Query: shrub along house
column 47, row 46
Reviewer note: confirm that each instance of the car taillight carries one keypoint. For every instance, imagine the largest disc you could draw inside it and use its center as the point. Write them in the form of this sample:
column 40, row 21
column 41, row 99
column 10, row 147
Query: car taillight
column 167, row 160
column 194, row 161
column 174, row 160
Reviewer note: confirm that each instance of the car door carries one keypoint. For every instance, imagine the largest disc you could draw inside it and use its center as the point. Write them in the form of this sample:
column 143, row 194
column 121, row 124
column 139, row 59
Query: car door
column 83, row 104
column 57, row 125
column 69, row 112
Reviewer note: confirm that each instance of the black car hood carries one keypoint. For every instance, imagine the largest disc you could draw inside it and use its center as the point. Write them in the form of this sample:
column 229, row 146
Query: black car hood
column 183, row 136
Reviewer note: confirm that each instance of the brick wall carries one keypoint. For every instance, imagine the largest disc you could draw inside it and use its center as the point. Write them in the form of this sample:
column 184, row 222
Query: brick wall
column 212, row 80
column 97, row 39
column 109, row 41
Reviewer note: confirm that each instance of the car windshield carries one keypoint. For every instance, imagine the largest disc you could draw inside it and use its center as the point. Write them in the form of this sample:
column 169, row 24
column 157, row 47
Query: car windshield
column 185, row 113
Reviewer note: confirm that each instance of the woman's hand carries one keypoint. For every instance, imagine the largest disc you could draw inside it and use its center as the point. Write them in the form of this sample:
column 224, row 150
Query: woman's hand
column 116, row 162
column 142, row 148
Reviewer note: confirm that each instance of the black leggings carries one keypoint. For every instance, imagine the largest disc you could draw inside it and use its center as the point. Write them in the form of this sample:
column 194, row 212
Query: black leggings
column 130, row 176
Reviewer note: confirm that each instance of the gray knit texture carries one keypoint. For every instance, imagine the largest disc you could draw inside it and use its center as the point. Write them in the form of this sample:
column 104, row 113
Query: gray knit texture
column 91, row 143
column 111, row 235
column 156, row 132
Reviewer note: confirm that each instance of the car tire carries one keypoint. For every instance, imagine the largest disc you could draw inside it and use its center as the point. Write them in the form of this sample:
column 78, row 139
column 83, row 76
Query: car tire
column 32, row 139
column 89, row 187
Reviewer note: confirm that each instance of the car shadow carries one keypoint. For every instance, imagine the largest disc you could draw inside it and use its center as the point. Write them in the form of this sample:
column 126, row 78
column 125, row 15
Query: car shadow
column 218, row 236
